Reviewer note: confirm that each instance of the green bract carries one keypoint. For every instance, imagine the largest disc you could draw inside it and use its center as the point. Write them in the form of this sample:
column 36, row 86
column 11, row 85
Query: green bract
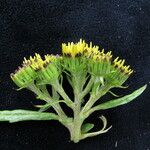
column 24, row 76
column 88, row 70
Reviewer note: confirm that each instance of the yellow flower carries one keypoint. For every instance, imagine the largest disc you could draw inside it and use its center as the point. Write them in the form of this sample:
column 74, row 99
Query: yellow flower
column 35, row 62
column 73, row 49
column 101, row 56
column 91, row 50
column 35, row 67
column 52, row 58
column 91, row 59
column 120, row 65
column 92, row 53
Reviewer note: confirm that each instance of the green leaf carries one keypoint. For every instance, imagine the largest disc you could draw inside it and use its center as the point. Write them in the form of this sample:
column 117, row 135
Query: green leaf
column 86, row 127
column 120, row 101
column 101, row 131
column 43, row 107
column 48, row 105
column 24, row 115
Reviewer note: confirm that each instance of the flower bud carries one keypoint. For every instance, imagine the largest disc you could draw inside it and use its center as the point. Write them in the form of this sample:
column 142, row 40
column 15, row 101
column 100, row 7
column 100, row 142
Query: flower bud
column 24, row 76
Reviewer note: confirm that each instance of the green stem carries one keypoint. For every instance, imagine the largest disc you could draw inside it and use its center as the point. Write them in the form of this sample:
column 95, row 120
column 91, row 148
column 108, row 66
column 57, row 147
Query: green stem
column 48, row 99
column 43, row 89
column 88, row 87
column 77, row 120
column 93, row 98
column 57, row 106
column 61, row 91
column 77, row 123
column 39, row 93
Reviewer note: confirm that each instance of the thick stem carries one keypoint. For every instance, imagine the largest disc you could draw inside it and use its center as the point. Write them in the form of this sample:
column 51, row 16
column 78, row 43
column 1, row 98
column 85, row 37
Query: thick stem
column 77, row 123
column 75, row 131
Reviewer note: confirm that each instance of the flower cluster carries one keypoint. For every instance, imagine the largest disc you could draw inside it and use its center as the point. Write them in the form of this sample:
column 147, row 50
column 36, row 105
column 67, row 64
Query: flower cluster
column 35, row 68
column 74, row 55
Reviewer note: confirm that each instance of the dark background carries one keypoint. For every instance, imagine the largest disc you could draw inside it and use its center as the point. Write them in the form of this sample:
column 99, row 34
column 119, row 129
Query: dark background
column 29, row 26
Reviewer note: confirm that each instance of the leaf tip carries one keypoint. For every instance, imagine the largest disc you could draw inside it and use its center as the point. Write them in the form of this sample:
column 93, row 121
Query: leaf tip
column 144, row 87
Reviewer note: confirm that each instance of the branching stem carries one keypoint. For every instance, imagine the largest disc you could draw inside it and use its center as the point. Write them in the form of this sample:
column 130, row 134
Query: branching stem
column 94, row 97
column 62, row 92
column 44, row 96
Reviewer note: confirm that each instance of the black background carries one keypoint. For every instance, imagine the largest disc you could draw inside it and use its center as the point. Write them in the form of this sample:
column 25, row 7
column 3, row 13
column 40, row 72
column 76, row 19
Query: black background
column 29, row 26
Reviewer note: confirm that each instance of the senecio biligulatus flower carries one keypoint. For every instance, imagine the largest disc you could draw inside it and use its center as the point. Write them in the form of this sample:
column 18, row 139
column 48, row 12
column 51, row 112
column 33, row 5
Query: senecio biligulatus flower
column 89, row 71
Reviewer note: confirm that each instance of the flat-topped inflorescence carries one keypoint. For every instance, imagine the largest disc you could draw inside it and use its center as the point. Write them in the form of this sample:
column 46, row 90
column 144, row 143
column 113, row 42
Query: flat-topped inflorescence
column 94, row 61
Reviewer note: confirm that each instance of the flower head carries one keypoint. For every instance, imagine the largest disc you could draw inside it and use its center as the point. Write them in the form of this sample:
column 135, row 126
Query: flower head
column 119, row 64
column 91, row 50
column 73, row 49
column 36, row 62
column 23, row 76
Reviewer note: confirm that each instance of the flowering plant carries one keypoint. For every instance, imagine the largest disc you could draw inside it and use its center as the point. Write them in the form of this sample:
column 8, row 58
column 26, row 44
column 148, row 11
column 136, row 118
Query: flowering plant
column 88, row 70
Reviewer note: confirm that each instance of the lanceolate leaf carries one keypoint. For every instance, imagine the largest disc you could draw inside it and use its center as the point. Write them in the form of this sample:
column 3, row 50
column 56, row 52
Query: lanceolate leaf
column 24, row 115
column 87, row 127
column 119, row 101
column 48, row 105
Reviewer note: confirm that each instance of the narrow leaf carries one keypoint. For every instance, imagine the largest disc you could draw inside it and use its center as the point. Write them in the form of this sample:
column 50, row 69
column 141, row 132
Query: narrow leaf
column 24, row 115
column 101, row 131
column 120, row 101
column 86, row 127
column 45, row 107
column 48, row 105
column 112, row 93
